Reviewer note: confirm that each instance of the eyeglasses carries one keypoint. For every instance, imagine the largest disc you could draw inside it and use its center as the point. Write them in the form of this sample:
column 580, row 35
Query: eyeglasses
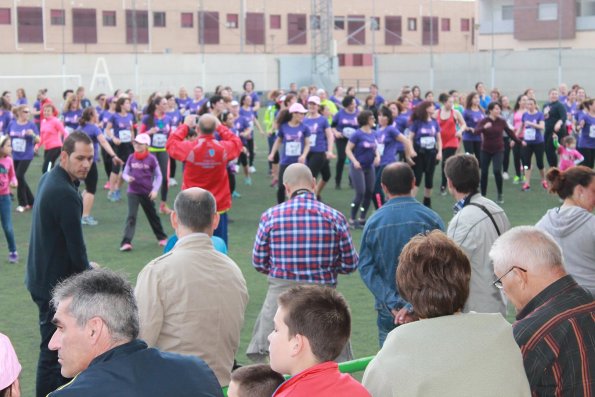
column 25, row 111
column 498, row 283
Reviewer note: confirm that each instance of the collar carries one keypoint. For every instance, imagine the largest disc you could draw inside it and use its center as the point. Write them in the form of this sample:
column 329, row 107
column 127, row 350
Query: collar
column 459, row 205
column 318, row 370
column 305, row 193
column 192, row 236
column 62, row 173
column 552, row 291
column 120, row 350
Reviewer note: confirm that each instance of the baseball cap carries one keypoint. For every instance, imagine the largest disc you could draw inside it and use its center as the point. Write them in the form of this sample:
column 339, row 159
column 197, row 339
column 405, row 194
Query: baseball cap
column 9, row 363
column 297, row 108
column 143, row 139
column 235, row 103
column 314, row 99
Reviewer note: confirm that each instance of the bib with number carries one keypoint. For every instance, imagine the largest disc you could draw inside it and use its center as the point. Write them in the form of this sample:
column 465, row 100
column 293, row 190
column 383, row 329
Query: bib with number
column 380, row 149
column 293, row 148
column 125, row 136
column 312, row 140
column 427, row 142
column 159, row 140
column 530, row 134
column 348, row 132
column 592, row 131
column 19, row 144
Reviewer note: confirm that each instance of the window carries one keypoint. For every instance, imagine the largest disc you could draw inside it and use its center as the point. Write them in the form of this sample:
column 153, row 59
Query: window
column 548, row 12
column 210, row 27
column 57, row 17
column 4, row 16
column 255, row 28
column 374, row 23
column 296, row 29
column 30, row 24
column 275, row 21
column 393, row 30
column 340, row 25
column 465, row 25
column 412, row 24
column 358, row 59
column 507, row 13
column 430, row 31
column 187, row 20
column 315, row 22
column 232, row 21
column 445, row 24
column 159, row 19
column 137, row 27
column 356, row 30
column 585, row 8
column 341, row 59
column 84, row 26
column 109, row 18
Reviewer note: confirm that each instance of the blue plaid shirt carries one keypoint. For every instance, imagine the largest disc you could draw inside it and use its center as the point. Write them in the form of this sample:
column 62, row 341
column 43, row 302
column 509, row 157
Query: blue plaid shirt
column 304, row 240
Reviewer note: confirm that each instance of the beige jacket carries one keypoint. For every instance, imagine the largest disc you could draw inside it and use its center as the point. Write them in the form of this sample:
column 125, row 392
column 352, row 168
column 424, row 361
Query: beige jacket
column 192, row 301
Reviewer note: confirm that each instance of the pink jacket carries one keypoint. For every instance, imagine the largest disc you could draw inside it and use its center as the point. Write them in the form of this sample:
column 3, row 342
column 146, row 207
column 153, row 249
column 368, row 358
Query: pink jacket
column 7, row 175
column 52, row 133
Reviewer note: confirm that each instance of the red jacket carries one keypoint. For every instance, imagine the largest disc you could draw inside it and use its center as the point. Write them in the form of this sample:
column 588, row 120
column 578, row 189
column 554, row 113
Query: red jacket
column 206, row 161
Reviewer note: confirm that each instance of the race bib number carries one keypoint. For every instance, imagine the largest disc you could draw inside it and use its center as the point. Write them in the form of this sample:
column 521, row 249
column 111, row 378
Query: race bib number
column 159, row 140
column 380, row 149
column 530, row 134
column 293, row 148
column 348, row 132
column 312, row 140
column 427, row 142
column 125, row 136
column 592, row 131
column 19, row 145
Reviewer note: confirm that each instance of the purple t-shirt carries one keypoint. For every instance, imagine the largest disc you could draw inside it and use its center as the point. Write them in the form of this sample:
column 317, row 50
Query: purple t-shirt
column 22, row 143
column 105, row 116
column 175, row 116
column 21, row 101
column 194, row 105
column 5, row 118
column 122, row 126
column 159, row 138
column 345, row 123
column 472, row 117
column 93, row 131
column 532, row 135
column 387, row 144
column 37, row 107
column 146, row 174
column 183, row 104
column 365, row 147
column 317, row 127
column 293, row 139
column 240, row 125
column 586, row 139
column 425, row 134
column 71, row 119
column 248, row 114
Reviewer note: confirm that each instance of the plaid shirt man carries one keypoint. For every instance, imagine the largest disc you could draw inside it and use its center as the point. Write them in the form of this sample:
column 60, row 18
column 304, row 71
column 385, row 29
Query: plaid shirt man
column 304, row 240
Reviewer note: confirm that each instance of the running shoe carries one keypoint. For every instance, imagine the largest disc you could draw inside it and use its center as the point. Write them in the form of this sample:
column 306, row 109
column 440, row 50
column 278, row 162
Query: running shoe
column 526, row 187
column 252, row 170
column 89, row 220
column 13, row 257
column 235, row 194
column 248, row 181
column 126, row 247
column 505, row 176
column 172, row 182
column 20, row 209
column 164, row 209
column 500, row 199
column 106, row 186
column 443, row 190
column 353, row 224
column 545, row 184
column 162, row 243
column 516, row 180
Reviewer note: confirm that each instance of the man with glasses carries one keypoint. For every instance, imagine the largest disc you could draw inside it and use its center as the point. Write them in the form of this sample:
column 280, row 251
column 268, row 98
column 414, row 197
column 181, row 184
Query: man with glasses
column 555, row 325
column 477, row 223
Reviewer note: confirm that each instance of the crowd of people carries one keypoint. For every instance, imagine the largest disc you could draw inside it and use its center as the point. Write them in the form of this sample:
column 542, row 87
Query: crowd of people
column 187, row 310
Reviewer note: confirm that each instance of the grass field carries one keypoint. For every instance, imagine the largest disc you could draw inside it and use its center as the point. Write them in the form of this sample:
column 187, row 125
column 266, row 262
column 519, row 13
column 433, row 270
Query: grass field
column 18, row 314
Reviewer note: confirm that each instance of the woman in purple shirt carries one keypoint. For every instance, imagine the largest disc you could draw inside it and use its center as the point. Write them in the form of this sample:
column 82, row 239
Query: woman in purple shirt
column 533, row 124
column 72, row 113
column 424, row 131
column 120, row 130
column 23, row 136
column 294, row 135
column 344, row 125
column 321, row 144
column 362, row 151
column 247, row 112
column 472, row 115
column 586, row 128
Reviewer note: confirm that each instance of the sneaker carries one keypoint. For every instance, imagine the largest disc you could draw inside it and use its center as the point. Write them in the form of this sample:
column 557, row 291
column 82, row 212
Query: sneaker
column 88, row 220
column 353, row 224
column 500, row 199
column 20, row 209
column 252, row 170
column 106, row 186
column 172, row 182
column 516, row 180
column 164, row 209
column 235, row 194
column 162, row 243
column 505, row 176
column 13, row 257
column 126, row 247
column 443, row 190
column 526, row 187
column 248, row 181
column 545, row 184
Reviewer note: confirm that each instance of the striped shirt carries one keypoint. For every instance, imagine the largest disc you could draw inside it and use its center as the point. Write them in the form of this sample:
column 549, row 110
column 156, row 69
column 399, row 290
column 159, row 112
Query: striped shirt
column 304, row 240
column 556, row 333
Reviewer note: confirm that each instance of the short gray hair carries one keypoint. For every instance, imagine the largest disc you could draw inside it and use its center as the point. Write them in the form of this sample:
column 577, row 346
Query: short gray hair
column 195, row 208
column 527, row 247
column 101, row 293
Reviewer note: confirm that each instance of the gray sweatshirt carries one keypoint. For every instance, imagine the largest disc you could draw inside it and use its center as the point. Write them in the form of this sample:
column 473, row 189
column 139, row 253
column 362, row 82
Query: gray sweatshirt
column 574, row 229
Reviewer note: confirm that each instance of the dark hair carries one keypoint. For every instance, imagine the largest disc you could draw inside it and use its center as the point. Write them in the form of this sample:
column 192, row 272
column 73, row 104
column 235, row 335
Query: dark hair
column 364, row 117
column 413, row 91
column 246, row 83
column 151, row 111
column 420, row 112
column 567, row 140
column 195, row 210
column 72, row 139
column 210, row 104
column 386, row 112
column 463, row 172
column 587, row 103
column 469, row 100
column 517, row 105
column 243, row 98
column 563, row 182
column 428, row 93
column 87, row 116
column 477, row 84
column 347, row 100
column 256, row 380
column 492, row 105
column 320, row 314
column 443, row 97
column 398, row 178
column 434, row 275
column 169, row 96
column 283, row 117
column 66, row 93
column 121, row 101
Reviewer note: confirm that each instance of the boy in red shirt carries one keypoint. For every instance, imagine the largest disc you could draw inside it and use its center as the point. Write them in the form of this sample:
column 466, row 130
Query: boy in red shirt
column 312, row 326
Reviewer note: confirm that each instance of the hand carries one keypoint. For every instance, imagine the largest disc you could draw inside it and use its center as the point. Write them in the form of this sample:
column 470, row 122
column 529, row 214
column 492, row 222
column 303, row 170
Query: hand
column 557, row 127
column 402, row 316
column 30, row 133
column 357, row 165
column 459, row 134
column 190, row 121
column 116, row 141
column 439, row 155
column 151, row 131
column 376, row 161
column 338, row 135
column 117, row 161
column 153, row 196
column 13, row 184
column 410, row 161
column 511, row 144
column 330, row 155
column 302, row 159
column 487, row 125
column 523, row 143
column 94, row 265
column 271, row 157
column 131, row 179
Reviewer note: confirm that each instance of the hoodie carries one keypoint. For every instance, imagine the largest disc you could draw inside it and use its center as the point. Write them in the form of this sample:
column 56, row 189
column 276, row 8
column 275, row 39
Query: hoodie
column 574, row 229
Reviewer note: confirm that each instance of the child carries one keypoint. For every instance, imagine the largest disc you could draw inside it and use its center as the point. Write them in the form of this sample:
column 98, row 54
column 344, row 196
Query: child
column 569, row 156
column 257, row 380
column 11, row 368
column 144, row 180
column 8, row 179
column 312, row 326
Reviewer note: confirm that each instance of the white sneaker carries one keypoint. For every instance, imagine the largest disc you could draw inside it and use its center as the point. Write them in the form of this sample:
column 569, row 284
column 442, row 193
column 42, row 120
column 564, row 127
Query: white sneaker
column 252, row 170
column 505, row 176
column 173, row 182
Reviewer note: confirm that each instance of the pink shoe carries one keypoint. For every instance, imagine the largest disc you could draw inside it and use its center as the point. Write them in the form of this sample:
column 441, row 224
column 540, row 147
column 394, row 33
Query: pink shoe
column 126, row 247
column 545, row 184
column 106, row 186
column 162, row 243
column 164, row 209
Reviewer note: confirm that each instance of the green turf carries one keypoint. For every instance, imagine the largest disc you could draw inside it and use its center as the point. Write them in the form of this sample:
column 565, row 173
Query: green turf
column 18, row 313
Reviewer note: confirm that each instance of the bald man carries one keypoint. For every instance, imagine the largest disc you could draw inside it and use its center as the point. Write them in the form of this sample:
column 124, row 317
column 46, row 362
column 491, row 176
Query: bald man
column 192, row 300
column 205, row 160
column 300, row 241
column 555, row 325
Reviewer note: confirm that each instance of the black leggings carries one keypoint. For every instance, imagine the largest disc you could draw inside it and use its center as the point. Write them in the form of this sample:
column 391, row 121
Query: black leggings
column 24, row 194
column 588, row 154
column 107, row 160
column 50, row 157
column 341, row 157
column 425, row 163
column 172, row 167
column 473, row 147
column 528, row 153
column 363, row 181
column 123, row 151
column 550, row 150
column 163, row 159
column 319, row 164
column 446, row 154
column 486, row 159
column 91, row 179
column 280, row 186
column 250, row 147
